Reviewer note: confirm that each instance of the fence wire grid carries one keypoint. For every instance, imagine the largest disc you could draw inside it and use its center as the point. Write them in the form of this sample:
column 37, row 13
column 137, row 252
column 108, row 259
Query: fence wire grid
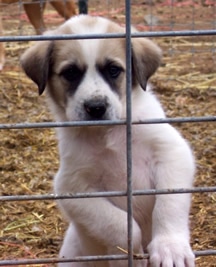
column 173, row 29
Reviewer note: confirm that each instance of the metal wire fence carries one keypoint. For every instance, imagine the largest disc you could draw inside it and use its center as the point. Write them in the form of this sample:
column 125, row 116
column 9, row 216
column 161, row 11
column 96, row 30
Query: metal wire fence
column 128, row 122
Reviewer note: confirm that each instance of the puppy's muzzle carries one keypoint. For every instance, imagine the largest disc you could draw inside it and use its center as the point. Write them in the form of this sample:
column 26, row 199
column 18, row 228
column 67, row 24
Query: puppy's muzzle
column 96, row 108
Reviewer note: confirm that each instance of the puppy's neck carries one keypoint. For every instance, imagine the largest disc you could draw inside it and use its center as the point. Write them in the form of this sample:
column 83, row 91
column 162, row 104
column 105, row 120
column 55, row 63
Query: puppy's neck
column 84, row 133
column 95, row 138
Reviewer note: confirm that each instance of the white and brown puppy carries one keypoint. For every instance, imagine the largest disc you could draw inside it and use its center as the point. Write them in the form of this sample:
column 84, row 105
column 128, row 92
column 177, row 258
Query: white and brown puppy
column 85, row 80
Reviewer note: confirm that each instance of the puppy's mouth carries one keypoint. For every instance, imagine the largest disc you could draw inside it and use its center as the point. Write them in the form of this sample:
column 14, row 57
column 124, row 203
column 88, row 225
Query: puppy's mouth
column 95, row 109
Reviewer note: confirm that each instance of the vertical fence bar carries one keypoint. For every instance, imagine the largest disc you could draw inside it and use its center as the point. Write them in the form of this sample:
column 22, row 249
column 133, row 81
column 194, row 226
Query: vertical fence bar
column 128, row 131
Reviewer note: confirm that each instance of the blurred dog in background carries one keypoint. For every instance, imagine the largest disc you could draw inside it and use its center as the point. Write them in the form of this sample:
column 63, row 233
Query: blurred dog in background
column 34, row 10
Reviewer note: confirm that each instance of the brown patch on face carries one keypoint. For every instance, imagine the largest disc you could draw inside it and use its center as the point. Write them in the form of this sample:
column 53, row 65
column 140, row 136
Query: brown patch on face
column 111, row 64
column 111, row 59
column 67, row 70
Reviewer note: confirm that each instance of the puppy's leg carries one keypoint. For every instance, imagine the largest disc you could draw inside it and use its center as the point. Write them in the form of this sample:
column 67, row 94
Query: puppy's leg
column 101, row 220
column 34, row 12
column 71, row 247
column 174, row 168
column 78, row 243
column 65, row 8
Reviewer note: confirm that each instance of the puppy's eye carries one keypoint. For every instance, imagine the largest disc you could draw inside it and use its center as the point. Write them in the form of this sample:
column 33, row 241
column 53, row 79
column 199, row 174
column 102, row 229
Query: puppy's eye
column 72, row 73
column 114, row 71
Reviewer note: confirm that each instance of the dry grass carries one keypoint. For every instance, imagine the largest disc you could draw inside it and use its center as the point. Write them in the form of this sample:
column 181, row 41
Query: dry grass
column 186, row 85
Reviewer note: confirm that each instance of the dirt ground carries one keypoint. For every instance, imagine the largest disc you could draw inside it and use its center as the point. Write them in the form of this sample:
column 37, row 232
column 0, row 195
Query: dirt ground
column 185, row 83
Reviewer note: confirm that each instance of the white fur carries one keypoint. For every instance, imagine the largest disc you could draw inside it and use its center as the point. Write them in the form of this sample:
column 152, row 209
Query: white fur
column 93, row 159
column 96, row 161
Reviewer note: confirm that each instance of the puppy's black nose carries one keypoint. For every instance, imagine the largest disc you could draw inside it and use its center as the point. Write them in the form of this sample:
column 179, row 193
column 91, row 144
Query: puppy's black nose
column 95, row 108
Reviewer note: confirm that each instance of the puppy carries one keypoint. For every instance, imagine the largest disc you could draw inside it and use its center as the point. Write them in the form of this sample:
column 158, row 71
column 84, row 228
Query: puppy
column 85, row 80
column 34, row 11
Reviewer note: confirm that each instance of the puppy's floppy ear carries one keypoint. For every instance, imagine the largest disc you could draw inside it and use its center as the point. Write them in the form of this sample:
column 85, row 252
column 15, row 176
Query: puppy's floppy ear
column 146, row 57
column 36, row 63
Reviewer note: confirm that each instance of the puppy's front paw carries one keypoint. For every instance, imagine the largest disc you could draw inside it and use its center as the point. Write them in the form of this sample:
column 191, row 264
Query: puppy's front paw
column 170, row 251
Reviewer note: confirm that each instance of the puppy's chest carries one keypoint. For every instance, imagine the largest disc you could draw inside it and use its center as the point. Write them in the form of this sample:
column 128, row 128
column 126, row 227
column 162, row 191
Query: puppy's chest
column 101, row 162
column 117, row 170
column 112, row 176
column 109, row 169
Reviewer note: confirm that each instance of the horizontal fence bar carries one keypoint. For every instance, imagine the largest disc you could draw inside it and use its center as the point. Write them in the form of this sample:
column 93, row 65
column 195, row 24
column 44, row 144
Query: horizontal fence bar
column 103, row 123
column 57, row 260
column 109, row 194
column 107, row 35
column 209, row 252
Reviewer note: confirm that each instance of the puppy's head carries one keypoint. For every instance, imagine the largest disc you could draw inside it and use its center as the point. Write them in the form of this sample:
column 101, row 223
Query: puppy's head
column 85, row 79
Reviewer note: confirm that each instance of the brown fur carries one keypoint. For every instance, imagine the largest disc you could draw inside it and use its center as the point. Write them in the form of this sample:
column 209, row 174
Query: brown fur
column 34, row 11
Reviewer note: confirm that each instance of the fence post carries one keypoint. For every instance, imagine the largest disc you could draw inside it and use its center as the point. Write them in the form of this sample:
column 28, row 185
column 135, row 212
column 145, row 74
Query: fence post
column 83, row 6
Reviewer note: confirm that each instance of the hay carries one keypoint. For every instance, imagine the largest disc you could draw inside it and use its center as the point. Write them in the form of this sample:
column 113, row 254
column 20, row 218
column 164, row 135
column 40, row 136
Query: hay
column 186, row 85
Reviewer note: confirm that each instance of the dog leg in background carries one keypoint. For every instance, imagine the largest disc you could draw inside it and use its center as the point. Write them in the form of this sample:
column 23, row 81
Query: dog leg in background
column 34, row 12
column 65, row 8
